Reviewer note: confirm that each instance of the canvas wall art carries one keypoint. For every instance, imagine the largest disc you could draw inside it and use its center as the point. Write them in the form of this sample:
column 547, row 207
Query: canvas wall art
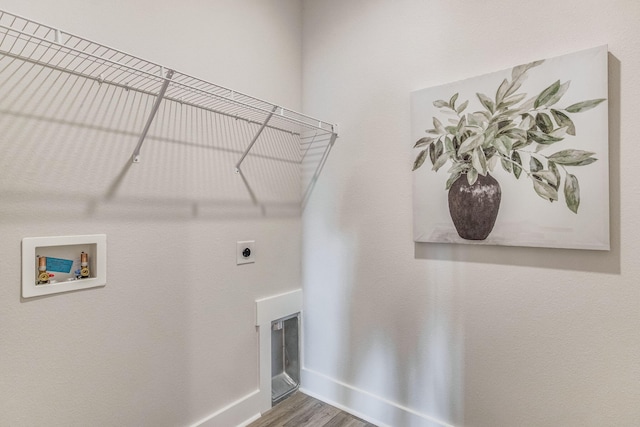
column 517, row 157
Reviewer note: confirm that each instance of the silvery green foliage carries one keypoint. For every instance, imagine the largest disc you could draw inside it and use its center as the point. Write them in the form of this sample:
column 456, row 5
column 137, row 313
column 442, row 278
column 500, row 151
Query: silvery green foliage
column 508, row 129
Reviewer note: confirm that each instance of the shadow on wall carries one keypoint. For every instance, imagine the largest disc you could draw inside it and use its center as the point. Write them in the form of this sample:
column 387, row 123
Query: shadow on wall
column 403, row 336
column 67, row 144
column 551, row 258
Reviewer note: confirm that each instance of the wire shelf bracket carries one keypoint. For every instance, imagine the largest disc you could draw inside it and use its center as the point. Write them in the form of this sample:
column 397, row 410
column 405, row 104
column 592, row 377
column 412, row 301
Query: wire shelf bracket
column 252, row 194
column 255, row 138
column 152, row 114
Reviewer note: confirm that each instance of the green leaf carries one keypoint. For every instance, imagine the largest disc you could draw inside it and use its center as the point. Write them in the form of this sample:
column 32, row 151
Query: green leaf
column 440, row 103
column 501, row 145
column 439, row 147
column 564, row 121
column 492, row 161
column 462, row 106
column 518, row 71
column 490, row 134
column 570, row 157
column 479, row 161
column 458, row 167
column 438, row 126
column 561, row 91
column 519, row 145
column 484, row 116
column 456, row 143
column 542, row 138
column 452, row 178
column 584, row 162
column 544, row 122
column 471, row 143
column 517, row 168
column 559, row 133
column 506, row 165
column 527, row 105
column 424, row 141
column 440, row 161
column 535, row 165
column 508, row 143
column 420, row 159
column 452, row 101
column 515, row 85
column 517, row 134
column 502, row 90
column 548, row 176
column 505, row 125
column 474, row 120
column 461, row 124
column 432, row 153
column 547, row 94
column 521, row 69
column 487, row 102
column 584, row 105
column 448, row 146
column 472, row 176
column 527, row 122
column 512, row 100
column 572, row 192
column 544, row 190
column 554, row 169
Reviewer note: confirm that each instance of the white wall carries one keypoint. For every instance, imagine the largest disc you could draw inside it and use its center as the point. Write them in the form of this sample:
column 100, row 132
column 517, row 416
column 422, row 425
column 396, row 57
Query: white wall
column 171, row 338
column 478, row 336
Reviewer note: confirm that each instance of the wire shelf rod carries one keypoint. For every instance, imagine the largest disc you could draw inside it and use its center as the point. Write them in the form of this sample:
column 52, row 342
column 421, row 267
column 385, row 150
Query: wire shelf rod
column 248, row 101
column 145, row 92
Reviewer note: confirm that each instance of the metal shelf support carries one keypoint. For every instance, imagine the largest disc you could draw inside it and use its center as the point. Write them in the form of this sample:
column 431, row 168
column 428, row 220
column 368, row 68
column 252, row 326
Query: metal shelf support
column 152, row 114
column 246, row 152
column 255, row 138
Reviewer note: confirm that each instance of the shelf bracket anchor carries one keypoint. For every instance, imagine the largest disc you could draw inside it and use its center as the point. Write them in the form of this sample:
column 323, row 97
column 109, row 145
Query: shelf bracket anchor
column 152, row 114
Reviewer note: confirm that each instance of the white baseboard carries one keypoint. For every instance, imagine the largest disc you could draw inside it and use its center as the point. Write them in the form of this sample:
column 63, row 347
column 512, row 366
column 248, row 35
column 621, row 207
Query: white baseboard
column 362, row 404
column 240, row 413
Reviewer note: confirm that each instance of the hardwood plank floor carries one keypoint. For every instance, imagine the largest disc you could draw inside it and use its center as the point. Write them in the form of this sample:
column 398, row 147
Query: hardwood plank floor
column 301, row 410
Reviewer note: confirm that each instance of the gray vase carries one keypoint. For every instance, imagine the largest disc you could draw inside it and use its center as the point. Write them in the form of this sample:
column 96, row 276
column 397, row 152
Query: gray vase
column 474, row 208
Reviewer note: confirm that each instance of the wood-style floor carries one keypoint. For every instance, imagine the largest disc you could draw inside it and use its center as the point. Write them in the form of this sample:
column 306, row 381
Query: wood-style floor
column 301, row 410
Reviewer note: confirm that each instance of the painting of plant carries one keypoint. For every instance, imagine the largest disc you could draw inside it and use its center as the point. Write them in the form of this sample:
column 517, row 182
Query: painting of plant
column 519, row 124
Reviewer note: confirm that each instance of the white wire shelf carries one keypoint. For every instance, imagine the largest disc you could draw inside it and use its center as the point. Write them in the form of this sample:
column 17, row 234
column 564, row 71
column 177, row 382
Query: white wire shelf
column 42, row 46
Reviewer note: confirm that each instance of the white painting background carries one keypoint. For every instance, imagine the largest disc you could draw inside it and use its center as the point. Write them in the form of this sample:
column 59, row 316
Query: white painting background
column 524, row 218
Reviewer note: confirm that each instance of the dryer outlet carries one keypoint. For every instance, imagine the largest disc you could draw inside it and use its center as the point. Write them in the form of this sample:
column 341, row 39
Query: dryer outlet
column 246, row 252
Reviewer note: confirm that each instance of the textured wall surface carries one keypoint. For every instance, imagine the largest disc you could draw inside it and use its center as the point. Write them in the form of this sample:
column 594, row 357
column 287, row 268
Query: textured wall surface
column 474, row 336
column 171, row 339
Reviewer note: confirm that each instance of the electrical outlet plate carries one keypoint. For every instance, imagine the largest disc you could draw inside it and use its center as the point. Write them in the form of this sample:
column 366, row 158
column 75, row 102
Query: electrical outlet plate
column 240, row 249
